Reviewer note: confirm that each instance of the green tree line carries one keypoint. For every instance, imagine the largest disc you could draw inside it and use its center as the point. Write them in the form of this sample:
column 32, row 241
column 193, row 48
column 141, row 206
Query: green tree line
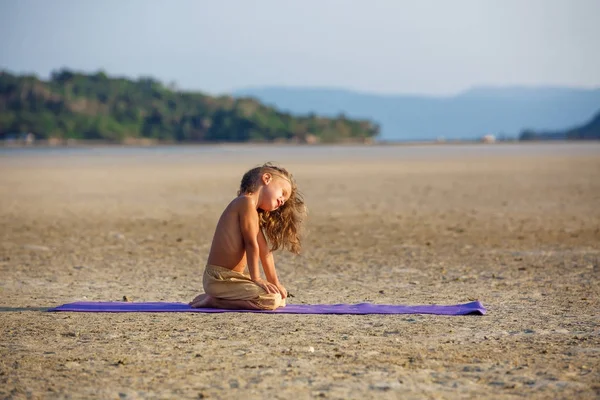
column 74, row 105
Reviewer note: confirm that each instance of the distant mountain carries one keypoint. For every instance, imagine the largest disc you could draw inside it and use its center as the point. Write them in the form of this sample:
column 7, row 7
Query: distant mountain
column 497, row 110
column 588, row 131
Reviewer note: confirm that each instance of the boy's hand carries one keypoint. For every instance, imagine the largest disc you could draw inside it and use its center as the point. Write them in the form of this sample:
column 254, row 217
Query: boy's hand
column 267, row 286
column 282, row 290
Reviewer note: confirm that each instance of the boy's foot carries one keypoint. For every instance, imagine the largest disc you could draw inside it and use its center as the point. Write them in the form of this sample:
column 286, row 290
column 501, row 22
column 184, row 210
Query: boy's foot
column 201, row 301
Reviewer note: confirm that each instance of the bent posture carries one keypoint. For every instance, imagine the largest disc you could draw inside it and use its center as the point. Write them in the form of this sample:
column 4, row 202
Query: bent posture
column 265, row 216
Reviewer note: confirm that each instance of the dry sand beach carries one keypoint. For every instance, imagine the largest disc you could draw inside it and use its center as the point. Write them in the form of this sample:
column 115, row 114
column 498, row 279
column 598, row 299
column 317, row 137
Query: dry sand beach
column 515, row 226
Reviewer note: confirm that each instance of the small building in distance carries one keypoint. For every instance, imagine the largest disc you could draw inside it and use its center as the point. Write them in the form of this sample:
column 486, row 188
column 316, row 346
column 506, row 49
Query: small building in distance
column 489, row 138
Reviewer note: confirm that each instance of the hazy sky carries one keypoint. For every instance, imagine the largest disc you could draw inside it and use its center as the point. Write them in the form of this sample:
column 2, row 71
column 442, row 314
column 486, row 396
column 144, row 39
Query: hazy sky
column 388, row 46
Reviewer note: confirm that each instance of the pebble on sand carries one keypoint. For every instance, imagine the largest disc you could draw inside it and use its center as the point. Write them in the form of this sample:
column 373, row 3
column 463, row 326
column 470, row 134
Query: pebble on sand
column 36, row 247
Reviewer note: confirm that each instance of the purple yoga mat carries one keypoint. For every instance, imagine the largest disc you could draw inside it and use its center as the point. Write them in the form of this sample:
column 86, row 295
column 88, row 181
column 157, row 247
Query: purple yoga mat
column 474, row 307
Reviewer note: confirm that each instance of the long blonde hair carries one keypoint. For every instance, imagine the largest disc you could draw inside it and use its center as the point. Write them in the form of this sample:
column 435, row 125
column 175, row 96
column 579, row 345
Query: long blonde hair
column 281, row 226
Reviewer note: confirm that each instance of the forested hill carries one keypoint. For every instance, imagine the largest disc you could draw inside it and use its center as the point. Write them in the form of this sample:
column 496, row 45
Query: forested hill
column 588, row 131
column 96, row 106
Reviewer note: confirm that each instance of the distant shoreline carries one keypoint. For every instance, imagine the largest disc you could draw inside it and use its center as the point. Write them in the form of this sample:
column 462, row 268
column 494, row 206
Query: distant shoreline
column 101, row 144
column 40, row 146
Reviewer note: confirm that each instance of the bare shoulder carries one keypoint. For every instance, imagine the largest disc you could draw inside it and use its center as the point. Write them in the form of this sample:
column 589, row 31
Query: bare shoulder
column 248, row 217
column 243, row 204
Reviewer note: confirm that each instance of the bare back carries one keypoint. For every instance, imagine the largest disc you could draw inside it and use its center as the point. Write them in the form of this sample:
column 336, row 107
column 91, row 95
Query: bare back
column 227, row 249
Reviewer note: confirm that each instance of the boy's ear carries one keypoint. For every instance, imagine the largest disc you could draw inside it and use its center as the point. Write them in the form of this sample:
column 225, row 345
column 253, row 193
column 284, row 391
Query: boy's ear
column 267, row 178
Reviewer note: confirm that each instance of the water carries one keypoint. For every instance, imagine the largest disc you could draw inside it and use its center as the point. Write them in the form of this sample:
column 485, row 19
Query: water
column 287, row 153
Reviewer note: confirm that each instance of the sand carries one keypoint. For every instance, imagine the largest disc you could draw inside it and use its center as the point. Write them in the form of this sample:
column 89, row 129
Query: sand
column 515, row 226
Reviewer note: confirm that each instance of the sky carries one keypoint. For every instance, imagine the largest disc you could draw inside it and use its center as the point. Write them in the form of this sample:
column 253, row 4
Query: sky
column 428, row 47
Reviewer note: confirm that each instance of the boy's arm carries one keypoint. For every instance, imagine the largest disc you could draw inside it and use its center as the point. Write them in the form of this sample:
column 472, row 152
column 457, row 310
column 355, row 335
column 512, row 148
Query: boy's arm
column 250, row 229
column 268, row 263
column 266, row 258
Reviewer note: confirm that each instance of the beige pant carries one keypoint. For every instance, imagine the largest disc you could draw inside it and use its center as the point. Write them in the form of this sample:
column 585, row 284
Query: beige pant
column 226, row 284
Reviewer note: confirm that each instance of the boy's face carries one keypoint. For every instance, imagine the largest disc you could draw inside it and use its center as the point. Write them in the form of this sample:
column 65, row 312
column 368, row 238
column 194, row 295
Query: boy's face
column 275, row 192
